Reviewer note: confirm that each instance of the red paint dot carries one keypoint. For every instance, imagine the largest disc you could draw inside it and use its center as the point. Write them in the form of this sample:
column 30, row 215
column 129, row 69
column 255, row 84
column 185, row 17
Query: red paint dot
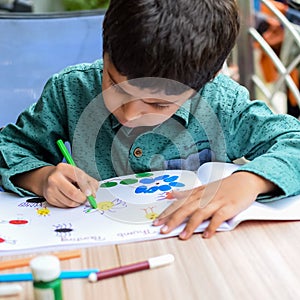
column 2, row 240
column 18, row 222
column 169, row 195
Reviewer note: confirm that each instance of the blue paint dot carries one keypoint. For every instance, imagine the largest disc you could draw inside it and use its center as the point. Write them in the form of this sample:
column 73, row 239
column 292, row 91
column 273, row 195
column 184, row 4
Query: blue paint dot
column 171, row 178
column 164, row 187
column 152, row 189
column 141, row 189
column 147, row 180
column 161, row 177
column 176, row 184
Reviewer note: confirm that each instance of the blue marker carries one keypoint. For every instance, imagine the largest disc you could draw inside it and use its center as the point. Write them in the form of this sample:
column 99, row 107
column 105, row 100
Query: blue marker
column 72, row 274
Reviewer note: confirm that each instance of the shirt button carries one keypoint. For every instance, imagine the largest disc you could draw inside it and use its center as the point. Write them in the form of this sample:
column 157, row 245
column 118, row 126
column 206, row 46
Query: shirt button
column 138, row 152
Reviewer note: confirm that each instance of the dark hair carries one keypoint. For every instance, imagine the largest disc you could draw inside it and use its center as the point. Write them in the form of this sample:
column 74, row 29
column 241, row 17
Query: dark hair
column 183, row 40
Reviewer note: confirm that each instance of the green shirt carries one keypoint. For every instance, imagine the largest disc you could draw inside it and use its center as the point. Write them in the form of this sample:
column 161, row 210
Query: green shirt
column 219, row 123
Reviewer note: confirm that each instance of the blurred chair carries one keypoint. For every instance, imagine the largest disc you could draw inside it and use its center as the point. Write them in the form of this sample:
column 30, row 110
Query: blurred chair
column 35, row 46
column 284, row 79
column 15, row 6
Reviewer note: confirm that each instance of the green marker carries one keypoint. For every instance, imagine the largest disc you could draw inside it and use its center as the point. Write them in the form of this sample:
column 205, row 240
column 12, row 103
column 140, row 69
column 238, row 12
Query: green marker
column 70, row 161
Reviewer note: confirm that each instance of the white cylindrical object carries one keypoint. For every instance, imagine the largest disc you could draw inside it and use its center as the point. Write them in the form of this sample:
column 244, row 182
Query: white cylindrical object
column 46, row 282
column 45, row 267
column 160, row 261
column 10, row 289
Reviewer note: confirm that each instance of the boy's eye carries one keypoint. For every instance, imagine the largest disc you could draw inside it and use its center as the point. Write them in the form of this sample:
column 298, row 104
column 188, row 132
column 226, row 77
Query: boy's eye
column 159, row 105
column 117, row 88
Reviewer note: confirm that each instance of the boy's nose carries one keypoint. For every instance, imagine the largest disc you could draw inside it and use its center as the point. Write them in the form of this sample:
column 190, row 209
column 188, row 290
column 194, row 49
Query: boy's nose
column 133, row 110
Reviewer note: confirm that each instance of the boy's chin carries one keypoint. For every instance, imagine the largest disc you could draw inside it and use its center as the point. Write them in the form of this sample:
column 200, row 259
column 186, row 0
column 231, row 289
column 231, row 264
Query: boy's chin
column 141, row 123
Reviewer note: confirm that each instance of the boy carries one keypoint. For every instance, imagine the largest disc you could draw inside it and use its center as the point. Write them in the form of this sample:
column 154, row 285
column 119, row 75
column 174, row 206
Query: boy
column 155, row 102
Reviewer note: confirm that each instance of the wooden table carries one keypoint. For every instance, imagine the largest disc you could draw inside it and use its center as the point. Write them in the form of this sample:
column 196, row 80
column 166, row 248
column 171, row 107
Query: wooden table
column 257, row 260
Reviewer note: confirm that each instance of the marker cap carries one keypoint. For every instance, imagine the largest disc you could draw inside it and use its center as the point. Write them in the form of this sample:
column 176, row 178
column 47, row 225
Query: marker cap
column 45, row 268
column 160, row 261
column 93, row 277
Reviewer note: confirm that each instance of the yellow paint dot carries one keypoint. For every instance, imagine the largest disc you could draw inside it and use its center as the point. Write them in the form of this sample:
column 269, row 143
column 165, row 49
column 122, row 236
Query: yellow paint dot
column 107, row 205
column 151, row 216
column 45, row 211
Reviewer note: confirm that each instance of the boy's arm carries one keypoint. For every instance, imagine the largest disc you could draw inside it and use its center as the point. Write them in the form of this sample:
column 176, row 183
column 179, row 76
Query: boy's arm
column 30, row 143
column 32, row 180
column 270, row 142
column 274, row 152
column 250, row 129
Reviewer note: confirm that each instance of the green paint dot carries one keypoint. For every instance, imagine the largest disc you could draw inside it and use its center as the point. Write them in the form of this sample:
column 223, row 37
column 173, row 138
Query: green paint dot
column 129, row 181
column 108, row 184
column 145, row 174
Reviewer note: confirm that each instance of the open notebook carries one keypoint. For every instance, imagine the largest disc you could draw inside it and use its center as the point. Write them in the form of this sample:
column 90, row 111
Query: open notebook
column 283, row 209
column 126, row 208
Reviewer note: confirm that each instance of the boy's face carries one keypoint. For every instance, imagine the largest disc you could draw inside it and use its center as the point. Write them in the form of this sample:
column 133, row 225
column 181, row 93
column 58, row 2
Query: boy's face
column 133, row 106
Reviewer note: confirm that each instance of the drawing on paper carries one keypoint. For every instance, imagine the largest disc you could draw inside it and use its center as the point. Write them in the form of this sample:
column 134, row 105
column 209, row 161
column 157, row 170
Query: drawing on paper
column 147, row 183
column 104, row 206
column 33, row 202
column 44, row 211
column 17, row 221
column 161, row 183
column 144, row 195
column 123, row 204
column 111, row 206
column 150, row 213
column 63, row 229
column 4, row 240
column 39, row 200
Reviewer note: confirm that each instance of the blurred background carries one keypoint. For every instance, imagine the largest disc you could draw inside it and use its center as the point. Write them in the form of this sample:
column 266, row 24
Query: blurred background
column 40, row 6
column 40, row 37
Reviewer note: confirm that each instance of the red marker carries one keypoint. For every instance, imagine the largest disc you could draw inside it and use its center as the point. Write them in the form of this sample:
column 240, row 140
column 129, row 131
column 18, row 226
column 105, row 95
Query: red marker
column 151, row 263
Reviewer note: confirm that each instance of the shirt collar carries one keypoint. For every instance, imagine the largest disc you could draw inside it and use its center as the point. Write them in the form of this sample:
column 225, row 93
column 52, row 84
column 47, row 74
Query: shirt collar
column 114, row 122
column 183, row 112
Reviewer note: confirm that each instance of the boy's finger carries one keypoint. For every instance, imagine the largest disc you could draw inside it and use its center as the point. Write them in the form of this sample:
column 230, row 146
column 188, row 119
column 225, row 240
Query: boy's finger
column 87, row 184
column 184, row 199
column 217, row 219
column 67, row 202
column 171, row 209
column 58, row 198
column 94, row 184
column 179, row 216
column 71, row 195
column 197, row 218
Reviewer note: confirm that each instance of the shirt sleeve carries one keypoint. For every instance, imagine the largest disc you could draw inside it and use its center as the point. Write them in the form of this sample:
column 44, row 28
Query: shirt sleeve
column 270, row 142
column 30, row 143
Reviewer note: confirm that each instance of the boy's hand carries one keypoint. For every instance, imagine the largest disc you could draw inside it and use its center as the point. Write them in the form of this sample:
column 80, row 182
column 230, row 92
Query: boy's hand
column 68, row 186
column 62, row 185
column 217, row 201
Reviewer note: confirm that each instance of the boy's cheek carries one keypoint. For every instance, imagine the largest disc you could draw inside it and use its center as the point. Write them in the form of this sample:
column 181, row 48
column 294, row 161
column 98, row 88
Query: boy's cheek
column 112, row 102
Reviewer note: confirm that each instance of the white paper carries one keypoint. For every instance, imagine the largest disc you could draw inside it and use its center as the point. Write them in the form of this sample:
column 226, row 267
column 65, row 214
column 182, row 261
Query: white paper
column 125, row 213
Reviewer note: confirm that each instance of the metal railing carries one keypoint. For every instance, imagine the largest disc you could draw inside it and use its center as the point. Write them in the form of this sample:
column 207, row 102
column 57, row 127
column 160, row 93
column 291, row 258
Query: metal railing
column 245, row 53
